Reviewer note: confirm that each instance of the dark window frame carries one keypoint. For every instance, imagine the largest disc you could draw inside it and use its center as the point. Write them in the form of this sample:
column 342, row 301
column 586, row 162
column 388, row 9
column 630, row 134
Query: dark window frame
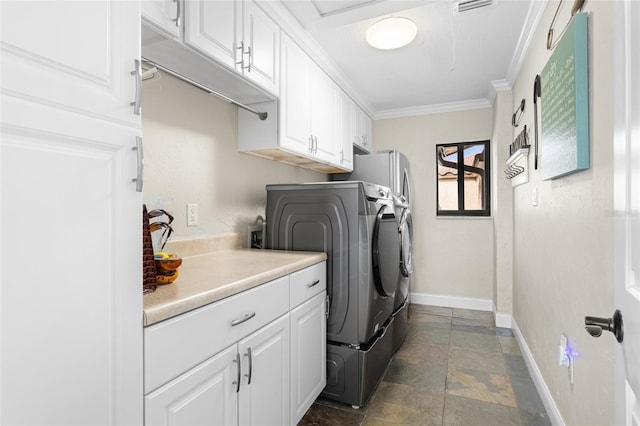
column 460, row 167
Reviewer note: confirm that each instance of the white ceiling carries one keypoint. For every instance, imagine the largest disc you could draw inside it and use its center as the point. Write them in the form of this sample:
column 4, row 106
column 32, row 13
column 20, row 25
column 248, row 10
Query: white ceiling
column 453, row 60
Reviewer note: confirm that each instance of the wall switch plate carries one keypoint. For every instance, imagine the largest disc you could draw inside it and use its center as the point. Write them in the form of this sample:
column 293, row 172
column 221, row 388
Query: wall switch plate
column 192, row 214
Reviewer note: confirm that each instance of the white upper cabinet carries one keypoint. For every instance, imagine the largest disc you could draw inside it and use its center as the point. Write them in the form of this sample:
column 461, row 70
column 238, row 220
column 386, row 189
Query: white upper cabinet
column 71, row 317
column 73, row 55
column 212, row 27
column 346, row 130
column 304, row 130
column 164, row 15
column 295, row 93
column 307, row 119
column 238, row 34
column 324, row 116
column 261, row 43
column 362, row 130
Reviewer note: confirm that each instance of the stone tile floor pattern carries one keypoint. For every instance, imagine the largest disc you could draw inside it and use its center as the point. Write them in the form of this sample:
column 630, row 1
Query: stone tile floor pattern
column 454, row 368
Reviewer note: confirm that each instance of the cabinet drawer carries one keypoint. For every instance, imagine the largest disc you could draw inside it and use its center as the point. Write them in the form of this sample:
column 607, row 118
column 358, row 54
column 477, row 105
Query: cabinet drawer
column 307, row 283
column 178, row 344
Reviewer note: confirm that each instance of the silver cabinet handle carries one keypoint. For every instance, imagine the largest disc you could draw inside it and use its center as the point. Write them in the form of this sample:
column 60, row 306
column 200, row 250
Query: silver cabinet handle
column 311, row 144
column 313, row 284
column 237, row 382
column 248, row 53
column 248, row 354
column 247, row 317
column 178, row 13
column 137, row 73
column 315, row 144
column 241, row 49
column 140, row 163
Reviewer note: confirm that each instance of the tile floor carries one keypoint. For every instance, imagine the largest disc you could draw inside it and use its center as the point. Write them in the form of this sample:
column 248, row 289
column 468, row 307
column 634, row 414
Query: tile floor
column 454, row 368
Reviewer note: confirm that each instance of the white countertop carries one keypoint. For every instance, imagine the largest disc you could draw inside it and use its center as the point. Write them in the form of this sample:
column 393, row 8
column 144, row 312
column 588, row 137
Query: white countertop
column 206, row 278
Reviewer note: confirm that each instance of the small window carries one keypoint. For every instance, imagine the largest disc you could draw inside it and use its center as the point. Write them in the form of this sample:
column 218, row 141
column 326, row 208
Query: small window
column 463, row 179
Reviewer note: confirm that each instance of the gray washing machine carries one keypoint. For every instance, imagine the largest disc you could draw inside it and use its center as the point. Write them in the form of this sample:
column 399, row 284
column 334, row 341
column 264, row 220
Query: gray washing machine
column 401, row 302
column 355, row 223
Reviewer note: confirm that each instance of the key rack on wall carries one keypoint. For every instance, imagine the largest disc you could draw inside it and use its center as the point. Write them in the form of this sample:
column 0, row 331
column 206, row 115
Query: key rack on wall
column 517, row 165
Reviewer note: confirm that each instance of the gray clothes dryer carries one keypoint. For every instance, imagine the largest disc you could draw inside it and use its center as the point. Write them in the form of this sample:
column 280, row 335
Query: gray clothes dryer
column 355, row 223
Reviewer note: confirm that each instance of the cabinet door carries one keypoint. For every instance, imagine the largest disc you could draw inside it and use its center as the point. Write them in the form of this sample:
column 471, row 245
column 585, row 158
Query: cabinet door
column 70, row 224
column 295, row 112
column 324, row 116
column 308, row 355
column 76, row 56
column 205, row 395
column 261, row 36
column 214, row 28
column 164, row 15
column 367, row 142
column 345, row 139
column 264, row 392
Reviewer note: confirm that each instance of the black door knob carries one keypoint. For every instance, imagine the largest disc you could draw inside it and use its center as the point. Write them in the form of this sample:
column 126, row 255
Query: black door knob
column 595, row 325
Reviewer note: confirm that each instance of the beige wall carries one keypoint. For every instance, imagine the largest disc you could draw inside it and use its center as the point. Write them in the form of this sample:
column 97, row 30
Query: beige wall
column 190, row 141
column 442, row 245
column 502, row 199
column 564, row 246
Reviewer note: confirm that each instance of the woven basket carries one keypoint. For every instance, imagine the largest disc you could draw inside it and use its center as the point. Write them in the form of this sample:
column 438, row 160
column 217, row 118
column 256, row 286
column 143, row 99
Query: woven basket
column 149, row 273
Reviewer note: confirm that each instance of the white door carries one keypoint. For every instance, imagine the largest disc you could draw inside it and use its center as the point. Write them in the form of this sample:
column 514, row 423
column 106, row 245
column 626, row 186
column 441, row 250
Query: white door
column 345, row 138
column 70, row 221
column 213, row 28
column 205, row 395
column 295, row 103
column 308, row 355
column 627, row 208
column 261, row 36
column 264, row 390
column 73, row 55
column 164, row 15
column 324, row 115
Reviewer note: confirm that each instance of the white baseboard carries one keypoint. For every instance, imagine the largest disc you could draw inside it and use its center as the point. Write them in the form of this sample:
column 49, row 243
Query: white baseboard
column 503, row 320
column 547, row 399
column 452, row 301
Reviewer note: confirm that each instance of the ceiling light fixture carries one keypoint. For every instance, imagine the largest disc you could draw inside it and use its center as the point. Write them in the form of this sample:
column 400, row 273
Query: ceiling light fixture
column 391, row 33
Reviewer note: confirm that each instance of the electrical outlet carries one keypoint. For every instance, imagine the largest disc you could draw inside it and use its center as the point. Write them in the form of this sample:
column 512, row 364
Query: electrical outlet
column 563, row 356
column 192, row 214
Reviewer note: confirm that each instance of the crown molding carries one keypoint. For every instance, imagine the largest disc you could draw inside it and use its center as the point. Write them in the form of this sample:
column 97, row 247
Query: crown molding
column 433, row 109
column 534, row 15
column 496, row 86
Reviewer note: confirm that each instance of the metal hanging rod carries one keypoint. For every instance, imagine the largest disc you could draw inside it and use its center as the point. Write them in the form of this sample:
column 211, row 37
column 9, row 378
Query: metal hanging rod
column 261, row 115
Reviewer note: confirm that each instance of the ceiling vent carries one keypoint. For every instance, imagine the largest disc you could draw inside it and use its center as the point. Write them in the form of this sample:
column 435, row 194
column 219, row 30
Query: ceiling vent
column 467, row 5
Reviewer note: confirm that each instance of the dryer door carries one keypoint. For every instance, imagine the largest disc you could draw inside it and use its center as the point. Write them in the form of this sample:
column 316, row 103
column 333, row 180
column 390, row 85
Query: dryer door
column 406, row 236
column 385, row 251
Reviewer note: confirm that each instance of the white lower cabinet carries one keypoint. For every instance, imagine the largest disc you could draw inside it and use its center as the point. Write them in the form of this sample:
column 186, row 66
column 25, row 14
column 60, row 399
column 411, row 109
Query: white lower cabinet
column 308, row 354
column 269, row 371
column 264, row 385
column 204, row 395
column 246, row 384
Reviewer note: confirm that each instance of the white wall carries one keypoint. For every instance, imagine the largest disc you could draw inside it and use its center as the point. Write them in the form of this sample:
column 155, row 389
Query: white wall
column 564, row 246
column 452, row 256
column 190, row 142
